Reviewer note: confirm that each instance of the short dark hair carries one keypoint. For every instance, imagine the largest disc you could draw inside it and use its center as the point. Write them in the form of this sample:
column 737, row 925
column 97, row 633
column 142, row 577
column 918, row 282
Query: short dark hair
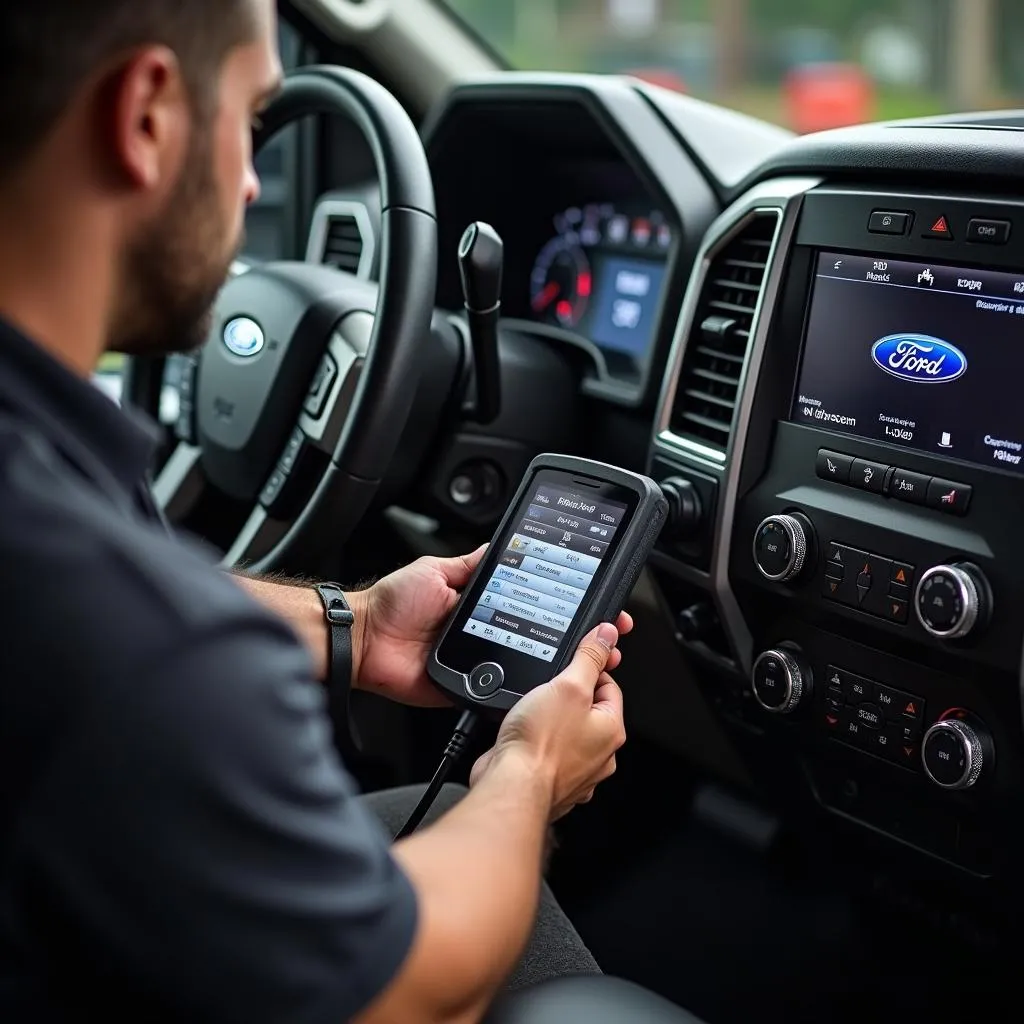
column 48, row 48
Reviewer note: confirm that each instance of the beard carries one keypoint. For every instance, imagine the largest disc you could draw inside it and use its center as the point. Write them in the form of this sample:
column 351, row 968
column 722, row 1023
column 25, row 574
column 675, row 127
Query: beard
column 175, row 268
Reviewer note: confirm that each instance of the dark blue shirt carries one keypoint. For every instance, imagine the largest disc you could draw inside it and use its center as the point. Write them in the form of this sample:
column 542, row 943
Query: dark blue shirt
column 178, row 840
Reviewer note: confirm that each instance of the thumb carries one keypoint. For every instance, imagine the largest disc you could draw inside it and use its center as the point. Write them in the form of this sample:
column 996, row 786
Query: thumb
column 457, row 570
column 591, row 657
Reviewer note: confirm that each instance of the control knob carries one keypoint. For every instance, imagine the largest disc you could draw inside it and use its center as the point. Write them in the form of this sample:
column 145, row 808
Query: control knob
column 781, row 544
column 780, row 680
column 951, row 600
column 685, row 512
column 954, row 752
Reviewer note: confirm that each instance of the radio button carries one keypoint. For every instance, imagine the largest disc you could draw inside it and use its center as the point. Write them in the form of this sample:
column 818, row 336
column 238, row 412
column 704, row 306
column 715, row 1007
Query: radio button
column 870, row 715
column 897, row 609
column 948, row 496
column 988, row 232
column 910, row 487
column 833, row 466
column 902, row 574
column 869, row 476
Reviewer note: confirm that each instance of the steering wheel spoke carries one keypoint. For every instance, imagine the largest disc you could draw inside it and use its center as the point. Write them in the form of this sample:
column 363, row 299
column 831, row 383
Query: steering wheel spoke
column 181, row 483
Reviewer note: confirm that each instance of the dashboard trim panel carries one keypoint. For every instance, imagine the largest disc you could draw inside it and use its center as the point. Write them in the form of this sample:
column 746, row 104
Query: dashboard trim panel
column 784, row 197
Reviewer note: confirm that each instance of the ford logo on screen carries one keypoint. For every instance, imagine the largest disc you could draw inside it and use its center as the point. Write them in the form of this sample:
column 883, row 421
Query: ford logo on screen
column 919, row 358
column 244, row 337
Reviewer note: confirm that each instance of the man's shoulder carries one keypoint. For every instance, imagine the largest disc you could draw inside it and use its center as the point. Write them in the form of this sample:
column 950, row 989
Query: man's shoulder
column 95, row 586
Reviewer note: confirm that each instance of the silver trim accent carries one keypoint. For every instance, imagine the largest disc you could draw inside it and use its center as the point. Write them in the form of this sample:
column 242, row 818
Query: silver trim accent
column 783, row 196
column 794, row 531
column 181, row 482
column 974, row 754
column 794, row 681
column 320, row 225
column 970, row 602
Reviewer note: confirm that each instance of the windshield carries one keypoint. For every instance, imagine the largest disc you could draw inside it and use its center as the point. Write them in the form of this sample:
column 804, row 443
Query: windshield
column 805, row 64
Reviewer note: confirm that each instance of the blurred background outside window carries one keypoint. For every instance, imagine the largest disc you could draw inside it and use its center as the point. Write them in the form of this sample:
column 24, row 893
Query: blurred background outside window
column 804, row 64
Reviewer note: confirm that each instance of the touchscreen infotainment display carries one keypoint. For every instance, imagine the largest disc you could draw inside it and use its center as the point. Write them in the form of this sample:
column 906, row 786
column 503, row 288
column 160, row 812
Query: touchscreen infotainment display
column 916, row 354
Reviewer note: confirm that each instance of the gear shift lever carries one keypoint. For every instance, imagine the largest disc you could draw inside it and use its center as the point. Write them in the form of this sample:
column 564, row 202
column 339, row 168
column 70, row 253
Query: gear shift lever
column 481, row 262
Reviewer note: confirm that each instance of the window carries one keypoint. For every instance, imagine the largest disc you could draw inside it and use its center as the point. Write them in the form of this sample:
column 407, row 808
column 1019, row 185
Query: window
column 273, row 222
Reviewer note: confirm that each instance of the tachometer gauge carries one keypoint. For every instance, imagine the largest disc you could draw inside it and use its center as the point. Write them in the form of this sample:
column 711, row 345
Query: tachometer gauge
column 561, row 282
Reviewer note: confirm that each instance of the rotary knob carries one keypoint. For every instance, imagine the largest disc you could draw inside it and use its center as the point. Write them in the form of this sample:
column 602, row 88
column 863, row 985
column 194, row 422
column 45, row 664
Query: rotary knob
column 780, row 547
column 780, row 680
column 950, row 600
column 953, row 752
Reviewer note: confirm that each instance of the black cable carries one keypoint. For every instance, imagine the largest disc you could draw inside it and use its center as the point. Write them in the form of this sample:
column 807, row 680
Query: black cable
column 456, row 746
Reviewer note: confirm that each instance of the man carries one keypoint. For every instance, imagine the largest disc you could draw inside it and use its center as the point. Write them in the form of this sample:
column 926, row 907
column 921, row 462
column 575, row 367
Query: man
column 177, row 837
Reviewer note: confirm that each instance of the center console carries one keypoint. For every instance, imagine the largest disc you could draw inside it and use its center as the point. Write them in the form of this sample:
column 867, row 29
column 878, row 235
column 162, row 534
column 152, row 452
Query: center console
column 857, row 437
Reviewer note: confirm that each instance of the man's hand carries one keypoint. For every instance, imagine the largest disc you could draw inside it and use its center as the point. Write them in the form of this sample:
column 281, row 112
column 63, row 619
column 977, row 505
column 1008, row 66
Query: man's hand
column 569, row 729
column 398, row 620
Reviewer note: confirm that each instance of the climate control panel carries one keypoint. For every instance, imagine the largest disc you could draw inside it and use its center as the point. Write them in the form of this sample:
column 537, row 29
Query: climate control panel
column 875, row 718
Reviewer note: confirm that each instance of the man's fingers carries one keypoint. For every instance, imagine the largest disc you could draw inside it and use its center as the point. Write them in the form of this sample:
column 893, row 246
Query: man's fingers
column 608, row 696
column 592, row 656
column 624, row 624
column 457, row 570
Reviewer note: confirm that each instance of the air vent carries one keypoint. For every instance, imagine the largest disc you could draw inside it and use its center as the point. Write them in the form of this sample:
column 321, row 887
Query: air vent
column 343, row 244
column 340, row 236
column 717, row 347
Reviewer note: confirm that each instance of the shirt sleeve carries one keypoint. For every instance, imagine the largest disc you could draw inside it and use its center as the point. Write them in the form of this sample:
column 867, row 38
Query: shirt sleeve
column 198, row 852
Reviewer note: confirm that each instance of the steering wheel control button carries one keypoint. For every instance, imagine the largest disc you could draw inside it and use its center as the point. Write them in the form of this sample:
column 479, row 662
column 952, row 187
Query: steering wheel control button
column 271, row 495
column 869, row 476
column 780, row 548
column 779, row 681
column 948, row 496
column 952, row 754
column 888, row 222
column 185, row 425
column 982, row 231
column 320, row 388
column 485, row 680
column 833, row 466
column 292, row 451
column 909, row 487
column 950, row 600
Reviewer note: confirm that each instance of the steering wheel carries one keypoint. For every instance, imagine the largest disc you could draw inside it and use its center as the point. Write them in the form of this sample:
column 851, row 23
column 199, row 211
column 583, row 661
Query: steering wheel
column 295, row 404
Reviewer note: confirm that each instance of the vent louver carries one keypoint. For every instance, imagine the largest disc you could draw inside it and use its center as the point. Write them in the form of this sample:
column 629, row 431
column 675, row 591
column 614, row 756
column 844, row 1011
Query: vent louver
column 717, row 347
column 343, row 243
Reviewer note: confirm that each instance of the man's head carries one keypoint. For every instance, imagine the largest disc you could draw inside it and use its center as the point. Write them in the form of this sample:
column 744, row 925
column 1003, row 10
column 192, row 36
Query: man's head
column 138, row 115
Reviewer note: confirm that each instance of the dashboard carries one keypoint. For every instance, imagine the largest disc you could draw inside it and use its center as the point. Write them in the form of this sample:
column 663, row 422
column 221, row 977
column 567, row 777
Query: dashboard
column 815, row 347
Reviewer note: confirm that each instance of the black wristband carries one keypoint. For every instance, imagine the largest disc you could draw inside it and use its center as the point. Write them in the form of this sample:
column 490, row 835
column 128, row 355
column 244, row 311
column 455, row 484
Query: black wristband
column 340, row 620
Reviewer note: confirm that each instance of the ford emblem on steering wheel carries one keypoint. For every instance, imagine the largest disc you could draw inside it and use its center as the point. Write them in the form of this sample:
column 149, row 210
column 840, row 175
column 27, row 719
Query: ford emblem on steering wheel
column 244, row 337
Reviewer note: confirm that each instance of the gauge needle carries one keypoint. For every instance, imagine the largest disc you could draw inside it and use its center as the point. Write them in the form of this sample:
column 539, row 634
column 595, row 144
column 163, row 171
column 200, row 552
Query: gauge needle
column 544, row 298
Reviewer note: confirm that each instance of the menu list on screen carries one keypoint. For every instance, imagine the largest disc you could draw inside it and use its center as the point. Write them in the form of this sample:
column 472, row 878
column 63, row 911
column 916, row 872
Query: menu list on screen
column 545, row 569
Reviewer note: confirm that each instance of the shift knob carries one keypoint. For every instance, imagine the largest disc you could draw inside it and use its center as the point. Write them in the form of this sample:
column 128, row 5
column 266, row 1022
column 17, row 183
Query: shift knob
column 481, row 264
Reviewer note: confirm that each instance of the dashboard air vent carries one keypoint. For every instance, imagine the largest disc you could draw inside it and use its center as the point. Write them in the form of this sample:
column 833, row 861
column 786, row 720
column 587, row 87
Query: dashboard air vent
column 343, row 243
column 341, row 236
column 717, row 347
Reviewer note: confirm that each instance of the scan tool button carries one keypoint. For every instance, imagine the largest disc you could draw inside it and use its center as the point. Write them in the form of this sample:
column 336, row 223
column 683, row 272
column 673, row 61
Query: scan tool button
column 485, row 680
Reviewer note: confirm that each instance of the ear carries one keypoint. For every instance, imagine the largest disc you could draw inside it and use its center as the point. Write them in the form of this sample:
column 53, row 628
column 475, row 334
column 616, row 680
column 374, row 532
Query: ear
column 152, row 119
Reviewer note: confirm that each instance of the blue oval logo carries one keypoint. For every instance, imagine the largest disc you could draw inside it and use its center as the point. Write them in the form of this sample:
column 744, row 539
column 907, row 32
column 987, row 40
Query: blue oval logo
column 244, row 337
column 919, row 358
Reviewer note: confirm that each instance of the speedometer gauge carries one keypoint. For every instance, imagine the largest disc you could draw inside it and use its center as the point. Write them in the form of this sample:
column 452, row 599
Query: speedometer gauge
column 561, row 282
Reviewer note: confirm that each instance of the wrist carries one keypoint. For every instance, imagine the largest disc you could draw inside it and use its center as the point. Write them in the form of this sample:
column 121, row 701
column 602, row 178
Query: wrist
column 528, row 770
column 359, row 602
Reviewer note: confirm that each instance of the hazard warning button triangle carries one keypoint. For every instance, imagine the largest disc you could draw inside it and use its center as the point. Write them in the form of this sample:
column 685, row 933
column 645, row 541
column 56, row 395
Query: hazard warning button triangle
column 939, row 228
